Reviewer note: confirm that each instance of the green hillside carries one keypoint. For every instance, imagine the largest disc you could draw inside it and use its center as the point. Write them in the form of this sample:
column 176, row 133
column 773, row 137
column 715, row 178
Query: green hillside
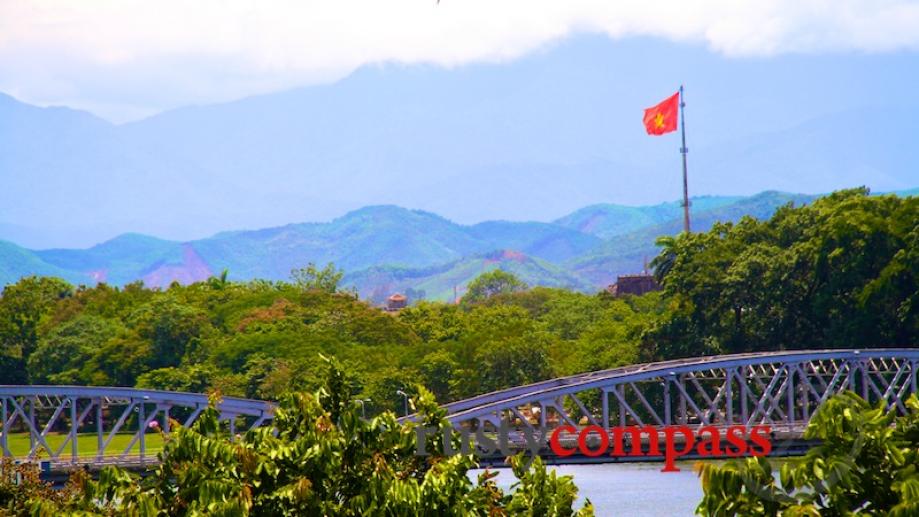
column 384, row 249
column 437, row 283
column 124, row 259
column 627, row 253
column 547, row 241
column 370, row 236
column 608, row 220
column 17, row 262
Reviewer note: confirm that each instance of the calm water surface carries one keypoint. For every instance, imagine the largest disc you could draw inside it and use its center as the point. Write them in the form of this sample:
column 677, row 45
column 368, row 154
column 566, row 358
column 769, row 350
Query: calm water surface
column 630, row 489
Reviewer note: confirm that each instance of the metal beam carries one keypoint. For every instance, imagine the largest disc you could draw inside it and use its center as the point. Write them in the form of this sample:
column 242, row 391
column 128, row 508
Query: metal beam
column 760, row 378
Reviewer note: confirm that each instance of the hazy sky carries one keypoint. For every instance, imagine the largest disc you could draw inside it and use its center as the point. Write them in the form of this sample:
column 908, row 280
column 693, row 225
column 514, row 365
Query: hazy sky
column 125, row 59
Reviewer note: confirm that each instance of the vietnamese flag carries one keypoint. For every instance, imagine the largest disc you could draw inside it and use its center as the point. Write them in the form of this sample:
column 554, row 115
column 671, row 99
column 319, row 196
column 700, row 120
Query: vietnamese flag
column 662, row 118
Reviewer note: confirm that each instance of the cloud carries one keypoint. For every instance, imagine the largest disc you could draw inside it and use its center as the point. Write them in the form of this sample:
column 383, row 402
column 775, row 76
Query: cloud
column 129, row 58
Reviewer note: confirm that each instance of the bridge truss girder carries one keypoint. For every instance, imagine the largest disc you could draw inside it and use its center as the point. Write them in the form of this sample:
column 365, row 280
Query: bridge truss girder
column 780, row 389
column 107, row 412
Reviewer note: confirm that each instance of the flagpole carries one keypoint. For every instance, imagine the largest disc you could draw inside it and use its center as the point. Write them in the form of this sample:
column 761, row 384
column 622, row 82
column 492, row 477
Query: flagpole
column 683, row 151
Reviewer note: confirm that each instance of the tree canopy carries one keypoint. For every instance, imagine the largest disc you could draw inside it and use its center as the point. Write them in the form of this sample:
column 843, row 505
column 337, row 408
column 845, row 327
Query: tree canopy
column 492, row 283
column 321, row 458
column 839, row 273
column 866, row 464
column 260, row 339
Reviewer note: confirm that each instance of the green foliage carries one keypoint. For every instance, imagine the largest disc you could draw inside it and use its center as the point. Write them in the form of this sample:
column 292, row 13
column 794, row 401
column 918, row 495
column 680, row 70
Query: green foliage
column 322, row 458
column 841, row 272
column 541, row 492
column 383, row 388
column 435, row 322
column 261, row 339
column 196, row 378
column 513, row 362
column 439, row 373
column 171, row 327
column 64, row 350
column 21, row 488
column 313, row 278
column 866, row 464
column 24, row 307
column 492, row 283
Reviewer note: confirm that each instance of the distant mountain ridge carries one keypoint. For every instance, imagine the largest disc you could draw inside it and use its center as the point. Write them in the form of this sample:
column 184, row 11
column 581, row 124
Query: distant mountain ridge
column 385, row 248
column 373, row 236
column 609, row 220
column 529, row 139
column 618, row 254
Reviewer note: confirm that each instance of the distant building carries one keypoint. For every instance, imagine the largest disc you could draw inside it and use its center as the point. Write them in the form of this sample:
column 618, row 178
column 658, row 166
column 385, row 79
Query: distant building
column 634, row 284
column 396, row 302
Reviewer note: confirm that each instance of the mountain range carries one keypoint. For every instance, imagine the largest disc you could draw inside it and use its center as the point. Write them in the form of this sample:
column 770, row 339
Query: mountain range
column 527, row 139
column 385, row 249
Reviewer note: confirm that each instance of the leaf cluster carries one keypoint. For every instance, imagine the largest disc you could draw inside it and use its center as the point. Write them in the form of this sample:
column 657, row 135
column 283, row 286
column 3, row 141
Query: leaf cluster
column 866, row 464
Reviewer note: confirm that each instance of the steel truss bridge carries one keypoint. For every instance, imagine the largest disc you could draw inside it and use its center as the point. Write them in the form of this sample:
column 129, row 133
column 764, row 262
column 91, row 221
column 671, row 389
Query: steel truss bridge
column 780, row 389
column 57, row 419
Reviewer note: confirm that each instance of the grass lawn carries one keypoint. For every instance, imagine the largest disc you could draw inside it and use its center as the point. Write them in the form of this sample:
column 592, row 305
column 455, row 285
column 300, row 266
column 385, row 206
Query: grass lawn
column 86, row 444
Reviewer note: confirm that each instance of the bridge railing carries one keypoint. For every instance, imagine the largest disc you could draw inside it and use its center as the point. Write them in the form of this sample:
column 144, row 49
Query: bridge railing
column 105, row 424
column 781, row 389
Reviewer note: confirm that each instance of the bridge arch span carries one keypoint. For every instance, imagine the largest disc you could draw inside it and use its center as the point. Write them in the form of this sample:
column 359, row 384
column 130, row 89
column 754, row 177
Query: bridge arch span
column 116, row 421
column 780, row 389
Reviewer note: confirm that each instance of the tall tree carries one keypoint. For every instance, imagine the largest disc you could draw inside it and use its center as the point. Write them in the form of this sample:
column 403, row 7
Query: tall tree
column 24, row 306
column 492, row 283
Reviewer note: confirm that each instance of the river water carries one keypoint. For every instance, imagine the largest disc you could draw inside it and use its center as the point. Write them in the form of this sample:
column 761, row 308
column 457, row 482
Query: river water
column 630, row 489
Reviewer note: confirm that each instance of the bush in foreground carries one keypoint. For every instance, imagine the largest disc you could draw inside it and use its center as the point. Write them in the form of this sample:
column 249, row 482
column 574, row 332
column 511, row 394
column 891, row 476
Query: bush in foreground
column 323, row 459
column 866, row 464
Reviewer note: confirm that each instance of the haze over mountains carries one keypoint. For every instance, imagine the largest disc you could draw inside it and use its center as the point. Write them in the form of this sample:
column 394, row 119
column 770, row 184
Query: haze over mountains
column 385, row 249
column 532, row 139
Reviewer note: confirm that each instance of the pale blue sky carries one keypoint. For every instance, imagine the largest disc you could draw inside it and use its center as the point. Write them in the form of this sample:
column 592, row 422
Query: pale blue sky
column 125, row 59
column 474, row 110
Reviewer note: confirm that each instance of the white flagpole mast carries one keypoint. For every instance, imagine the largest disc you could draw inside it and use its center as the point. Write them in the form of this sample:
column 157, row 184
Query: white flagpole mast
column 683, row 151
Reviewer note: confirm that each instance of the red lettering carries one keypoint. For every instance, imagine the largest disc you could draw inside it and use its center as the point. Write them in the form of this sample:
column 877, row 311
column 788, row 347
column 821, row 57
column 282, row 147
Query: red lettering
column 617, row 442
column 707, row 443
column 556, row 445
column 635, row 432
column 761, row 436
column 671, row 454
column 582, row 441
column 737, row 440
column 712, row 445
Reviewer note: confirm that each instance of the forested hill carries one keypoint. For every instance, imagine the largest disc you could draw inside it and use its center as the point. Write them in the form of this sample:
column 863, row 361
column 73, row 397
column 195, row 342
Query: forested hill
column 840, row 272
column 384, row 249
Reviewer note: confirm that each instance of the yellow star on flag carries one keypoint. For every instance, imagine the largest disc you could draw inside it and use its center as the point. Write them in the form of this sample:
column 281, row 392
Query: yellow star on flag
column 662, row 118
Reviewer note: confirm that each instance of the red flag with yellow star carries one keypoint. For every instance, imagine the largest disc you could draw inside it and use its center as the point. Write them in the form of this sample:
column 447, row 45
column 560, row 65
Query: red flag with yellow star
column 662, row 118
